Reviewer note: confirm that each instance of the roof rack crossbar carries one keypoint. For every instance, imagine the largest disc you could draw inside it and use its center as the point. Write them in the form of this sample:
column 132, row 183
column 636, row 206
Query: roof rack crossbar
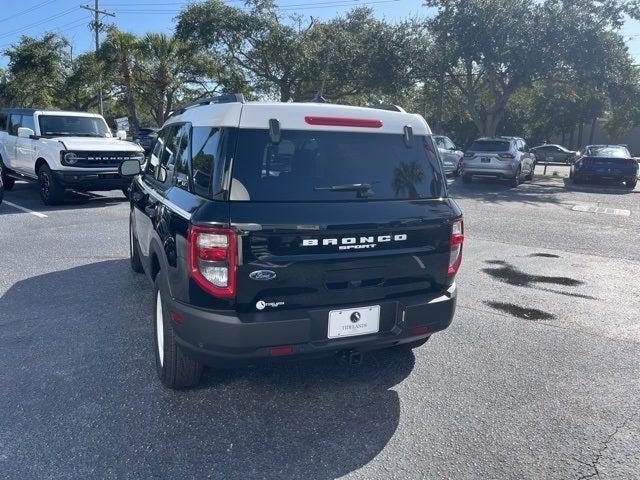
column 225, row 98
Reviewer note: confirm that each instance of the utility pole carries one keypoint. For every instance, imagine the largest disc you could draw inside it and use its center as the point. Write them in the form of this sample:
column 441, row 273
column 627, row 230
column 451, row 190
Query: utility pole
column 97, row 27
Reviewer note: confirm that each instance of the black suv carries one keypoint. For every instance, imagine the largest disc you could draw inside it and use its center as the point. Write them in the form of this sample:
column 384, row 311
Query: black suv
column 278, row 229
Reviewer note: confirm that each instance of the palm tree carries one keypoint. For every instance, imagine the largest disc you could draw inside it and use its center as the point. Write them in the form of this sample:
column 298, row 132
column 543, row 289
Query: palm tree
column 123, row 49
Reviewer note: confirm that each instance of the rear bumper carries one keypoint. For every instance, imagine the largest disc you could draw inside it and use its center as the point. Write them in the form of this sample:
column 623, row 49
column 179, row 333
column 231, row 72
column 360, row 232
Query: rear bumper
column 489, row 172
column 83, row 180
column 216, row 338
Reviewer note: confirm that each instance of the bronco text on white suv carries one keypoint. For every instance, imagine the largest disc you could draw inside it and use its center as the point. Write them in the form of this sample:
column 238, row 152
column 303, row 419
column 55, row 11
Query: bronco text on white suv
column 62, row 150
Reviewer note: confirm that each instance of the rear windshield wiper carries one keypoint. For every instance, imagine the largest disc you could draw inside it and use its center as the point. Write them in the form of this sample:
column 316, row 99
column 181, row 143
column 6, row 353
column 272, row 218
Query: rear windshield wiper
column 363, row 189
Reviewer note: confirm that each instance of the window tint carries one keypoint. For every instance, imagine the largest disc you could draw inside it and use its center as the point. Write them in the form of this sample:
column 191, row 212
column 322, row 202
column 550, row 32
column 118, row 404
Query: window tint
column 328, row 166
column 490, row 146
column 16, row 122
column 3, row 122
column 72, row 125
column 440, row 142
column 182, row 141
column 162, row 159
column 449, row 144
column 206, row 155
column 28, row 122
column 608, row 151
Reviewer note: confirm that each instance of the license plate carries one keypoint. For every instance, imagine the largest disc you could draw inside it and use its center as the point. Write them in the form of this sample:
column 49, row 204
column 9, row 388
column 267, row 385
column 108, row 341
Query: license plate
column 485, row 160
column 354, row 321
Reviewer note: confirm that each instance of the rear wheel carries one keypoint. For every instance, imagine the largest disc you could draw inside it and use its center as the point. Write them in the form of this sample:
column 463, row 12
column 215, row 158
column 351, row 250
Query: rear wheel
column 134, row 254
column 51, row 192
column 515, row 181
column 175, row 369
column 7, row 181
column 631, row 184
column 529, row 176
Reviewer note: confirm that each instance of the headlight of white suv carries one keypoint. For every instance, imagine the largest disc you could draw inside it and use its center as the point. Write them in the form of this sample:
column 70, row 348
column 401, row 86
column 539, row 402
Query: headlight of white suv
column 71, row 158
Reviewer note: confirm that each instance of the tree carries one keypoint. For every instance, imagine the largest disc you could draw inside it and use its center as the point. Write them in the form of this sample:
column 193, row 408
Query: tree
column 122, row 50
column 170, row 70
column 37, row 71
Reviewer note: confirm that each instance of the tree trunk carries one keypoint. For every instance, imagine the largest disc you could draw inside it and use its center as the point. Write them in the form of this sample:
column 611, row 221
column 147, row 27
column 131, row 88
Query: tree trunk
column 130, row 99
column 580, row 129
column 572, row 136
column 285, row 91
column 594, row 122
column 564, row 136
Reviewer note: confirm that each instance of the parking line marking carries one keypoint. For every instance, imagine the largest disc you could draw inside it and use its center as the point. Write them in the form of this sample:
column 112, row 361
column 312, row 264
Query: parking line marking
column 606, row 210
column 26, row 210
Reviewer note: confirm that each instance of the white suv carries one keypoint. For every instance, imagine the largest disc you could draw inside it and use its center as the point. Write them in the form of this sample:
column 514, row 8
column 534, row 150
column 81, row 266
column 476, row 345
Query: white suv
column 62, row 150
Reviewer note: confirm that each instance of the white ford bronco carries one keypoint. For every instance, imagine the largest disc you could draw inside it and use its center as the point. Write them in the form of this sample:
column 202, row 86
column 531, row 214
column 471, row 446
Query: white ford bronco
column 62, row 150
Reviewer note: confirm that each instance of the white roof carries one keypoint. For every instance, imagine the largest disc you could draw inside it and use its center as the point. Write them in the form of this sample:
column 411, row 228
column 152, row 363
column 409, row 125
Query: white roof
column 67, row 113
column 295, row 116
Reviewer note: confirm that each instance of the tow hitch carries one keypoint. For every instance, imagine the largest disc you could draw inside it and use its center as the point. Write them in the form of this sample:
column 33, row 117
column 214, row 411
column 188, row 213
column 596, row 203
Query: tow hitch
column 350, row 357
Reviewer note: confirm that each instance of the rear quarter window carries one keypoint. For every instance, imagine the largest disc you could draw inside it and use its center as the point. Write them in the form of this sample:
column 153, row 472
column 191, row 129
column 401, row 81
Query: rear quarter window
column 308, row 166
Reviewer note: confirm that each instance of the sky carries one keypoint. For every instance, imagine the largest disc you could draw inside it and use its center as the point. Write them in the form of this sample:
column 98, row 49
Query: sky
column 35, row 17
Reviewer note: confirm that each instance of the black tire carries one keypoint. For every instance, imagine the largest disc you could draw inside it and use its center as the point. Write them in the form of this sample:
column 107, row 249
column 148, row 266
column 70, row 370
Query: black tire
column 134, row 252
column 51, row 192
column 466, row 178
column 175, row 369
column 515, row 181
column 458, row 170
column 7, row 182
column 1, row 190
column 631, row 184
column 125, row 192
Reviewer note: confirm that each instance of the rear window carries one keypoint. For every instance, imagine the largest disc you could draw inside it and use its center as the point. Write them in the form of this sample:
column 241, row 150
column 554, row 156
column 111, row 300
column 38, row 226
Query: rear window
column 490, row 146
column 608, row 152
column 327, row 166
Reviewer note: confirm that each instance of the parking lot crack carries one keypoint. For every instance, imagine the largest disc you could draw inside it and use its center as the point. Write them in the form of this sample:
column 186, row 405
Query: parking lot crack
column 598, row 456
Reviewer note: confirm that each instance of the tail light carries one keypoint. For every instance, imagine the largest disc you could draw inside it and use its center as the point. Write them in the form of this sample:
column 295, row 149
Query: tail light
column 213, row 259
column 506, row 156
column 455, row 247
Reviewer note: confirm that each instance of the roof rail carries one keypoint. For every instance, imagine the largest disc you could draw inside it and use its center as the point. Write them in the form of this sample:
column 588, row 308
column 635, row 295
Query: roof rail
column 224, row 98
column 391, row 108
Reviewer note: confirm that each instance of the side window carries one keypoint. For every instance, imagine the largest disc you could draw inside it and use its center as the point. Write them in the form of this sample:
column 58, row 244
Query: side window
column 162, row 159
column 205, row 151
column 183, row 156
column 28, row 122
column 3, row 122
column 440, row 142
column 16, row 123
column 449, row 144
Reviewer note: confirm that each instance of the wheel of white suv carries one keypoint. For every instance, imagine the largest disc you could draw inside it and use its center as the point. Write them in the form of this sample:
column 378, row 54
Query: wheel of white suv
column 51, row 192
column 175, row 369
column 7, row 182
column 515, row 181
column 134, row 253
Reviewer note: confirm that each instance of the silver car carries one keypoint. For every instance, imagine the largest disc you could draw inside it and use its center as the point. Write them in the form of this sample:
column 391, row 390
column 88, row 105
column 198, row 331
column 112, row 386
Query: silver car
column 501, row 157
column 450, row 154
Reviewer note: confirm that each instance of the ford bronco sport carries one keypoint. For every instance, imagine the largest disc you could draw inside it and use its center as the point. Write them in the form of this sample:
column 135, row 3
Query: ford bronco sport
column 278, row 229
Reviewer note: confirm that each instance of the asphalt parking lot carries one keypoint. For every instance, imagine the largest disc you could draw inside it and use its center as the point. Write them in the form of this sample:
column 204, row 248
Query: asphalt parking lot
column 538, row 376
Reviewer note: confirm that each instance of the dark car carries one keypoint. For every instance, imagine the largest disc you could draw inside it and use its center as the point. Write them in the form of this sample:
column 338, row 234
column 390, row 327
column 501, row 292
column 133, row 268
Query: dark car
column 146, row 138
column 606, row 162
column 550, row 153
column 292, row 229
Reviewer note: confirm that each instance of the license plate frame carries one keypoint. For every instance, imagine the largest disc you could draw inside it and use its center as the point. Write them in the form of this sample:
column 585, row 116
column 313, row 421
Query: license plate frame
column 485, row 160
column 341, row 322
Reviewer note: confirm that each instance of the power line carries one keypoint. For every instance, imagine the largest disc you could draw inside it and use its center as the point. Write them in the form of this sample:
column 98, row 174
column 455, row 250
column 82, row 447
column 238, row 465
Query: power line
column 27, row 10
column 97, row 26
column 36, row 24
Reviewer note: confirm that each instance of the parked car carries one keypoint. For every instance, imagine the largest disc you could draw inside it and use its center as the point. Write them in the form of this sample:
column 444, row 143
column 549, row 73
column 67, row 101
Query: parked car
column 450, row 154
column 606, row 162
column 549, row 153
column 62, row 150
column 501, row 157
column 1, row 183
column 146, row 138
column 332, row 233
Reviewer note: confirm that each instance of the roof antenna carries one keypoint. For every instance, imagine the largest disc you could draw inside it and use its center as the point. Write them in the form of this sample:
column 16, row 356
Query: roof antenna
column 319, row 98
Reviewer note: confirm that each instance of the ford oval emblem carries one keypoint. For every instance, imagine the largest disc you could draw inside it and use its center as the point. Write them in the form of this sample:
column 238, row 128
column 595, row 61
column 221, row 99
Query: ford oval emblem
column 262, row 275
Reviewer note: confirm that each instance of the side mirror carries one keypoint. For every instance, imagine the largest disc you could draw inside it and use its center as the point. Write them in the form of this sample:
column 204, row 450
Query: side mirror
column 24, row 132
column 129, row 168
column 121, row 134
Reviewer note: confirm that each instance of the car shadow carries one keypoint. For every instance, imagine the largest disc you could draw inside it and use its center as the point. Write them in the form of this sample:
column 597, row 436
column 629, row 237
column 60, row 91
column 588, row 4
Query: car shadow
column 27, row 195
column 599, row 186
column 494, row 190
column 78, row 370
